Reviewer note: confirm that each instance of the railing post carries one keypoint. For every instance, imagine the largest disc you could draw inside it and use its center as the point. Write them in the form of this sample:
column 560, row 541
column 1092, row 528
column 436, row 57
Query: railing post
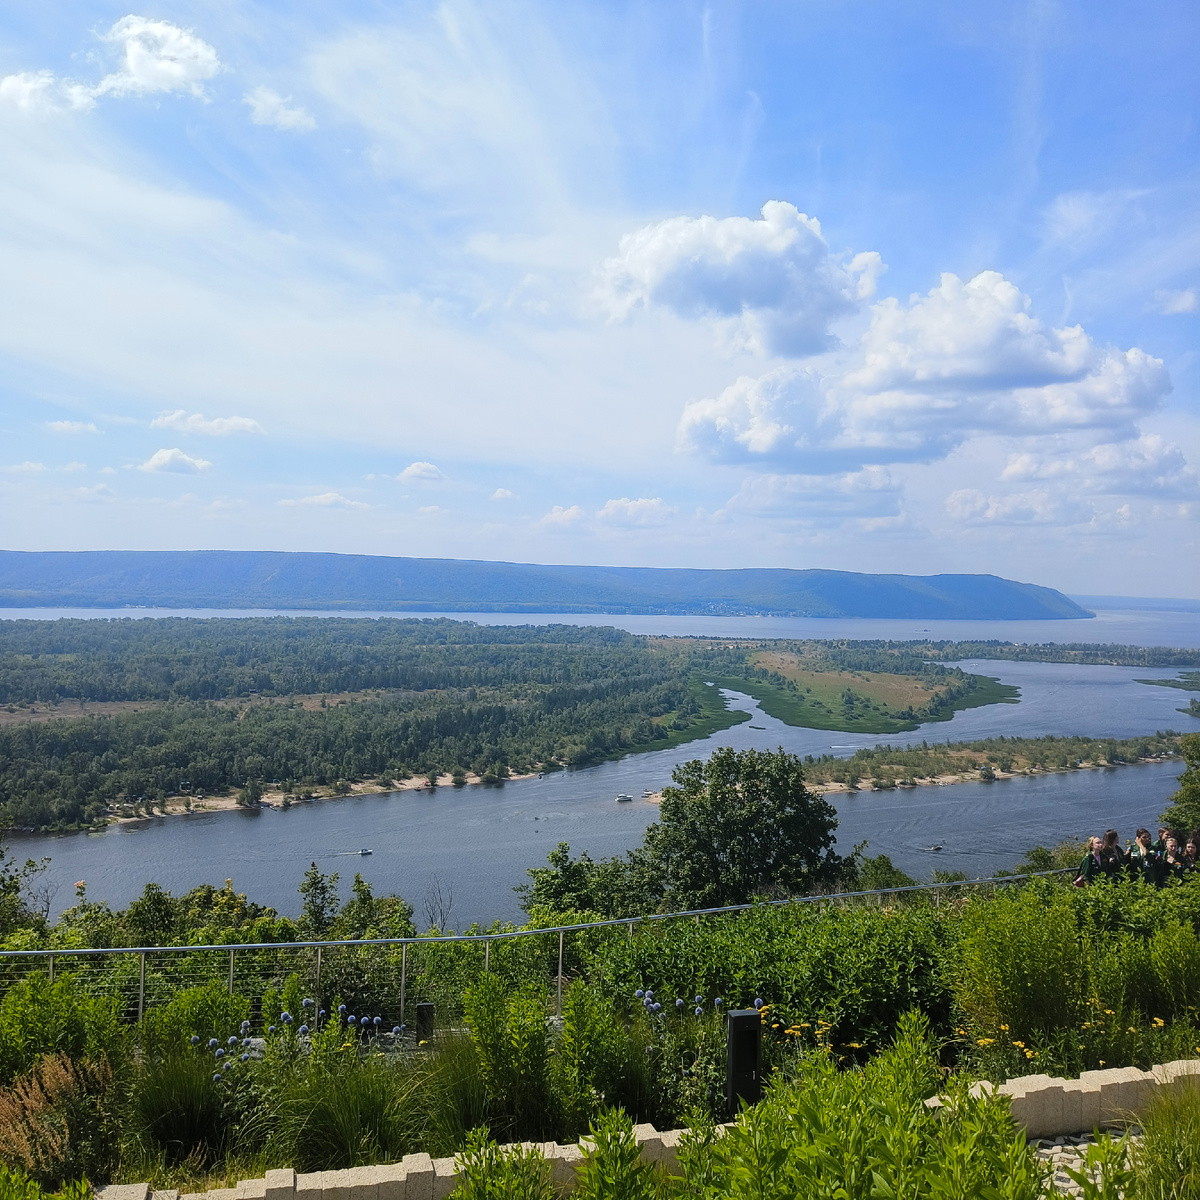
column 317, row 983
column 231, row 972
column 403, row 973
column 560, row 972
column 141, row 984
column 631, row 931
column 487, row 955
column 52, row 968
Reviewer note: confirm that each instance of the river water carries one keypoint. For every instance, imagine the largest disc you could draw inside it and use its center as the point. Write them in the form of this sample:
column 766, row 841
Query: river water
column 477, row 842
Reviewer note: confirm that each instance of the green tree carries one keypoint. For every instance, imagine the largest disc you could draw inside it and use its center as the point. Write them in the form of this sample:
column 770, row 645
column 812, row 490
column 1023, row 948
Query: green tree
column 741, row 825
column 320, row 904
column 1184, row 810
column 20, row 908
column 251, row 794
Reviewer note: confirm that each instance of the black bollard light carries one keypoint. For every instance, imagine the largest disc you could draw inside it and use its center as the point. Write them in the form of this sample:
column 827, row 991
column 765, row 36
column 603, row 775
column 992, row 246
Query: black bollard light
column 424, row 1020
column 743, row 1038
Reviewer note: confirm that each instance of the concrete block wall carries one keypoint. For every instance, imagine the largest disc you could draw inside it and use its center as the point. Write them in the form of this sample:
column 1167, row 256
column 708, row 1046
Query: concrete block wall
column 415, row 1177
column 1046, row 1107
column 1043, row 1106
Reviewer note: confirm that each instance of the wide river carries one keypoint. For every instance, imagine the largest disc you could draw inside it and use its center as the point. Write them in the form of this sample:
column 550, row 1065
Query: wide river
column 477, row 842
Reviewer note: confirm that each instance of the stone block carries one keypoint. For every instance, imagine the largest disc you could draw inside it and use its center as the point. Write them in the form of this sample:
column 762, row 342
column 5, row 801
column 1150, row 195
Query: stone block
column 251, row 1189
column 1046, row 1109
column 280, row 1185
column 418, row 1181
column 445, row 1177
column 563, row 1160
column 190, row 1196
column 1180, row 1074
column 982, row 1087
column 223, row 1194
column 308, row 1187
column 1119, row 1094
column 362, row 1182
column 389, row 1181
column 165, row 1194
column 670, row 1151
column 1072, row 1115
column 650, row 1142
column 335, row 1185
column 124, row 1191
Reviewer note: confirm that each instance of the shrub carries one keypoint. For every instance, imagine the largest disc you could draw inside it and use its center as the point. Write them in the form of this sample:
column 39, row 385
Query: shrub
column 14, row 1185
column 205, row 1011
column 1167, row 1159
column 58, row 1122
column 490, row 1172
column 38, row 1017
column 612, row 1168
column 180, row 1110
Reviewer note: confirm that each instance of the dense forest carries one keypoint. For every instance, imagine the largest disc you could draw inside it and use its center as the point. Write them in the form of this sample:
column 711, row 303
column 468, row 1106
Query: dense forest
column 228, row 702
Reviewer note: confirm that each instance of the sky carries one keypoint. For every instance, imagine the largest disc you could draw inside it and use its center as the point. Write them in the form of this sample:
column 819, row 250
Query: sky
column 900, row 286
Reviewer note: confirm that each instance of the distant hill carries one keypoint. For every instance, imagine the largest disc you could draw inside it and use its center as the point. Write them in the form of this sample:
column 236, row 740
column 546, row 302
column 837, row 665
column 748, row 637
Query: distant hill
column 280, row 580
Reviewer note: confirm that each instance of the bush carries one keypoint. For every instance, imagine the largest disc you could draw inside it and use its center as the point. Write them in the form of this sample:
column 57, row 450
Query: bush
column 16, row 1186
column 205, row 1011
column 490, row 1172
column 1167, row 1160
column 38, row 1018
column 180, row 1111
column 58, row 1122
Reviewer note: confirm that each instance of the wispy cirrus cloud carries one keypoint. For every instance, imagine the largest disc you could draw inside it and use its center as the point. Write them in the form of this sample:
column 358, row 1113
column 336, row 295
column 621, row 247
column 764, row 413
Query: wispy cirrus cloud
column 268, row 107
column 186, row 422
column 323, row 500
column 71, row 427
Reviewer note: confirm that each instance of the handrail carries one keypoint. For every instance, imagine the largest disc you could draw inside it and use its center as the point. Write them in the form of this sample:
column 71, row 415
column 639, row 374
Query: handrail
column 516, row 933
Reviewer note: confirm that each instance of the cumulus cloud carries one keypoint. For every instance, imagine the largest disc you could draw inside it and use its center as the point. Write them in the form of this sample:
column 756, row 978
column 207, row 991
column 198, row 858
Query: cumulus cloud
column 502, row 494
column 562, row 518
column 156, row 56
column 1040, row 506
column 174, row 462
column 869, row 493
column 641, row 512
column 1147, row 465
column 1175, row 303
column 967, row 358
column 420, row 472
column 774, row 277
column 71, row 427
column 23, row 468
column 324, row 500
column 428, row 510
column 187, row 422
column 270, row 108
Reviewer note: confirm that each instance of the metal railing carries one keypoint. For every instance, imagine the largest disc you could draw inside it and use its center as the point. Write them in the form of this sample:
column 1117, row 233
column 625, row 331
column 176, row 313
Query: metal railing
column 311, row 956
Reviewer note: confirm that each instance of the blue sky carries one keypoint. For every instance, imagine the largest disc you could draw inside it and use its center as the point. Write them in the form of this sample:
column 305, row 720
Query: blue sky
column 892, row 286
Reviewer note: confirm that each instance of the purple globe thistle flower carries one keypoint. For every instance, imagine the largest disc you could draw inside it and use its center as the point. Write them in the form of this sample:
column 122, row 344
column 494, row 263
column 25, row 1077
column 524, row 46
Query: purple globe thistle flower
column 377, row 1021
column 219, row 1053
column 758, row 1002
column 649, row 994
column 698, row 1010
column 306, row 1003
column 232, row 1041
column 303, row 1030
column 657, row 1007
column 341, row 1010
column 246, row 1041
column 213, row 1043
column 245, row 1058
column 699, row 1000
column 350, row 1020
column 395, row 1031
column 322, row 1014
column 216, row 1078
column 364, row 1021
column 194, row 1039
column 679, row 1004
column 639, row 994
column 718, row 1002
column 286, row 1017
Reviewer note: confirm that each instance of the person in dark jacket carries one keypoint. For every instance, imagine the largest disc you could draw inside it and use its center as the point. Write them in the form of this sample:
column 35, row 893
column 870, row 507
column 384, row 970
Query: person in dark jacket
column 1112, row 857
column 1140, row 857
column 1191, row 852
column 1092, row 867
column 1173, row 865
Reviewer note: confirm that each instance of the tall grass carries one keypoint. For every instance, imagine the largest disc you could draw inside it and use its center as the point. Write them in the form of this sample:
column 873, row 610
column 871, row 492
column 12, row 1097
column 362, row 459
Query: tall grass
column 1167, row 1158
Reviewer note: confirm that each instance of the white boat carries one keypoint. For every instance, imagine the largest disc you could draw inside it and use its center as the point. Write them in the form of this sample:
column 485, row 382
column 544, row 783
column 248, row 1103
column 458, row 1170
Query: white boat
column 623, row 797
column 366, row 851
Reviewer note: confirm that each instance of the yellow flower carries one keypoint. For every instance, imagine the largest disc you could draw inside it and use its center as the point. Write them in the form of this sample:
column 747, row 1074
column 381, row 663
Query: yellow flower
column 1102, row 1062
column 1131, row 1030
column 984, row 1041
column 1029, row 1053
column 1020, row 1044
column 1108, row 1012
column 1159, row 1022
column 1004, row 1028
column 854, row 1045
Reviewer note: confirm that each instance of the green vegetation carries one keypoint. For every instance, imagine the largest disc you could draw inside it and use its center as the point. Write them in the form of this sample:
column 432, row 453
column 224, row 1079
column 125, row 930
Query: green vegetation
column 892, row 766
column 1188, row 681
column 1184, row 811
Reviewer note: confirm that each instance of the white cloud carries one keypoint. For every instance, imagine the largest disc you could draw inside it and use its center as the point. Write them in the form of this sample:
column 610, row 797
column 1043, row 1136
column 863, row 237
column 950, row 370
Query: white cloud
column 774, row 278
column 324, row 500
column 74, row 467
column 562, row 518
column 428, row 510
column 1079, row 220
column 197, row 423
column 967, row 358
column 71, row 427
column 24, row 468
column 420, row 472
column 1041, row 506
column 174, row 462
column 1175, row 303
column 99, row 491
column 1147, row 465
column 156, row 56
column 270, row 108
column 502, row 494
column 869, row 493
column 641, row 512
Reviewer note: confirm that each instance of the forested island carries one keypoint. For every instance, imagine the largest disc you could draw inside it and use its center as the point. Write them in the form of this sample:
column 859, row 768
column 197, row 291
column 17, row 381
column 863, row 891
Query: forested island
column 107, row 718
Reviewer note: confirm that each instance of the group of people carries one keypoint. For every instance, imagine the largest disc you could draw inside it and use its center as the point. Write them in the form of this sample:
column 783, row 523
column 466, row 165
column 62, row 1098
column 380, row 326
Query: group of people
column 1158, row 862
